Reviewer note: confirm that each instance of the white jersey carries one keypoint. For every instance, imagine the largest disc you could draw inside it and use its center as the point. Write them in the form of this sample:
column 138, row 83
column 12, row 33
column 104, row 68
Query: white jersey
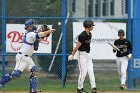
column 26, row 48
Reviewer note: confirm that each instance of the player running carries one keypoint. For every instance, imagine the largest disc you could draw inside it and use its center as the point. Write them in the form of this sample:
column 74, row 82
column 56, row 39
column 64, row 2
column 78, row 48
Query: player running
column 24, row 61
column 84, row 59
column 122, row 58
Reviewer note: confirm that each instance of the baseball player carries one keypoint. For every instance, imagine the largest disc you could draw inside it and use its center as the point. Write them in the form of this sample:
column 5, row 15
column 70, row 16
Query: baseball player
column 24, row 61
column 84, row 59
column 122, row 58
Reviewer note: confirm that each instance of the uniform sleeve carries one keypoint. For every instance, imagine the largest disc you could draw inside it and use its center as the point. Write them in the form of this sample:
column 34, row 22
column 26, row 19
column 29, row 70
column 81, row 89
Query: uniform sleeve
column 81, row 38
column 31, row 37
column 130, row 46
column 115, row 45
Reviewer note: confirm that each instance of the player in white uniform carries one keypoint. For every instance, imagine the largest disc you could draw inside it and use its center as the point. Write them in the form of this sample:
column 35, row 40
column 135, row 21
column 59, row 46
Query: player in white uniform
column 24, row 61
column 122, row 58
column 84, row 59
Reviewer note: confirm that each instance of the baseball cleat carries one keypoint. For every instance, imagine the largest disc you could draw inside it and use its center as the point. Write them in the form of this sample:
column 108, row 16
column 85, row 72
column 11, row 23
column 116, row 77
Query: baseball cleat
column 38, row 91
column 123, row 87
column 1, row 85
column 94, row 90
column 81, row 91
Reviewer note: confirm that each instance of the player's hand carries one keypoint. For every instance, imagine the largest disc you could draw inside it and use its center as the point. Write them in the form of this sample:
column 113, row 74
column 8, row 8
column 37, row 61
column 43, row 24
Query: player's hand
column 70, row 57
column 52, row 30
column 114, row 48
column 129, row 56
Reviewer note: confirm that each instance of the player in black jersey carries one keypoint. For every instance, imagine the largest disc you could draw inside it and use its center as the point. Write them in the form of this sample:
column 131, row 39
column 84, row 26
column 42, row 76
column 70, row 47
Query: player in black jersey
column 84, row 59
column 122, row 57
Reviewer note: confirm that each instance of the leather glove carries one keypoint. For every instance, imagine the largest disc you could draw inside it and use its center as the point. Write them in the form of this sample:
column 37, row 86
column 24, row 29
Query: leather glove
column 45, row 28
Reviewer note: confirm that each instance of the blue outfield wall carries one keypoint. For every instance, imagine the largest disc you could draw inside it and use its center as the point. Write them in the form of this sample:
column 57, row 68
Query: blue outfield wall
column 136, row 38
column 134, row 68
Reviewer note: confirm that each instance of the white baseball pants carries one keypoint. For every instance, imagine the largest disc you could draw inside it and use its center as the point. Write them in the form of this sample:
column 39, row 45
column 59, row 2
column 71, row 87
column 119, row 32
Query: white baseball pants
column 23, row 62
column 85, row 66
column 122, row 64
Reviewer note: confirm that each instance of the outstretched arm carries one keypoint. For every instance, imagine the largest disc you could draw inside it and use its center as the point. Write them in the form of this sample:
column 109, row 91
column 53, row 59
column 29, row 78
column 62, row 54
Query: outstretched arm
column 45, row 33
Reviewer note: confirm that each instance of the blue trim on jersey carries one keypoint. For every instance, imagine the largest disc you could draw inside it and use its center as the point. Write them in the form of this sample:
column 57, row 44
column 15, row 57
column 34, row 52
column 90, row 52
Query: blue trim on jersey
column 35, row 44
column 37, row 36
column 24, row 39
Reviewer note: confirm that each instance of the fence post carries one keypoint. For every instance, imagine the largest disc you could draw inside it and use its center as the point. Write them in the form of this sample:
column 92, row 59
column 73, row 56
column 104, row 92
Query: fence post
column 136, row 44
column 63, row 40
column 129, row 36
column 3, row 37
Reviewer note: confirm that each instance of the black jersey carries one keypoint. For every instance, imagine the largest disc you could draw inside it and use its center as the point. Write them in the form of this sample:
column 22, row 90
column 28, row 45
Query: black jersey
column 85, row 39
column 124, row 46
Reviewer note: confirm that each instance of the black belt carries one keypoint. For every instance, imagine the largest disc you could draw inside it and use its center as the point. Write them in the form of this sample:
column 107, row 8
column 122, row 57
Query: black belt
column 24, row 55
column 87, row 51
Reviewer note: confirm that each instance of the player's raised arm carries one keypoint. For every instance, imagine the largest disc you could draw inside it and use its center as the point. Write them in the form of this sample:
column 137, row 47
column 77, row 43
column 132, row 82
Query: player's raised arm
column 45, row 33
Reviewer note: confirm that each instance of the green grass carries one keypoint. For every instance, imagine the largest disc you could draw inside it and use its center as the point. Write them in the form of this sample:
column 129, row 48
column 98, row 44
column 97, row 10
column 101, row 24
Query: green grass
column 106, row 81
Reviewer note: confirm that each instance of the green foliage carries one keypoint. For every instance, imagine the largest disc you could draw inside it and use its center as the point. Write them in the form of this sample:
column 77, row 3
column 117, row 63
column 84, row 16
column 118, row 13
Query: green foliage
column 33, row 8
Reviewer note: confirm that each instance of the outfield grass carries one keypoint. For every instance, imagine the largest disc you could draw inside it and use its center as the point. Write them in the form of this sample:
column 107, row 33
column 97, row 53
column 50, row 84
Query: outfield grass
column 106, row 82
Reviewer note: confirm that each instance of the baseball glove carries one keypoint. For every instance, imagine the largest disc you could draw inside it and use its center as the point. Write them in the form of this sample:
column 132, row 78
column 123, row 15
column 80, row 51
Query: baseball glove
column 45, row 28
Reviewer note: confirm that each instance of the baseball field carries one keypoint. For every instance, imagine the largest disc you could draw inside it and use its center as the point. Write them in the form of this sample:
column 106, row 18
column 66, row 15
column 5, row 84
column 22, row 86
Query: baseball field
column 70, row 92
column 106, row 83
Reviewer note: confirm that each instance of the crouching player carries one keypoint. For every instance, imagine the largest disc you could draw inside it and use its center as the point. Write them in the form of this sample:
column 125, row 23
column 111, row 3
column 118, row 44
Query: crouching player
column 30, row 43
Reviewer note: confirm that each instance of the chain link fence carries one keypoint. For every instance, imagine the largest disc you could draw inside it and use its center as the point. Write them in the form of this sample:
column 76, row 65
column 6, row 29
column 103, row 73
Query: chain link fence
column 17, row 12
column 51, row 64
